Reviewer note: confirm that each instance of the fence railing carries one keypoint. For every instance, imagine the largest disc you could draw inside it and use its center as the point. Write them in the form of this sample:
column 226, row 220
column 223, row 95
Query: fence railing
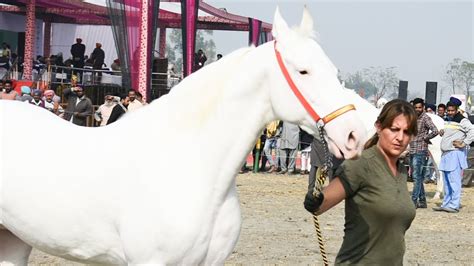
column 86, row 76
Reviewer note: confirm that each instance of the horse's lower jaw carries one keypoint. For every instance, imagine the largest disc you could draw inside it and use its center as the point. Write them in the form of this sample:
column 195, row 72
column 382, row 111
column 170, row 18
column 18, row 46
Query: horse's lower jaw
column 334, row 149
column 342, row 153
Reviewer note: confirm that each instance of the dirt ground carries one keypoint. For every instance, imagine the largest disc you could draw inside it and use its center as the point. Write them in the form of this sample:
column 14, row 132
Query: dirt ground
column 277, row 230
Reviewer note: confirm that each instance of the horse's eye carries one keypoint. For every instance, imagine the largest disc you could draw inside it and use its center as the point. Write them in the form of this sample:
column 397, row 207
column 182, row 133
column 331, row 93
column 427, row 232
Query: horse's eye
column 303, row 72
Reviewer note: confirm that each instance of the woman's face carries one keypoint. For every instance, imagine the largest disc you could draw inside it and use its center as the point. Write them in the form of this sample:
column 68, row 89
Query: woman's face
column 394, row 140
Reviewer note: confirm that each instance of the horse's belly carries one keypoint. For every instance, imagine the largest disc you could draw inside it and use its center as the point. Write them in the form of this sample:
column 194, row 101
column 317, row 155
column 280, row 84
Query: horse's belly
column 61, row 221
column 77, row 242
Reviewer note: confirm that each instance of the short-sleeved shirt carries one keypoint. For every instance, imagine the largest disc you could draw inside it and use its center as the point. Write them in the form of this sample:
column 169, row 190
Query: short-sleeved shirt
column 378, row 211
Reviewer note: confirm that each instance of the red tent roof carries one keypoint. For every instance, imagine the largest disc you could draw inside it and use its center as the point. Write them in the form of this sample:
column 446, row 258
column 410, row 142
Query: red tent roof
column 80, row 12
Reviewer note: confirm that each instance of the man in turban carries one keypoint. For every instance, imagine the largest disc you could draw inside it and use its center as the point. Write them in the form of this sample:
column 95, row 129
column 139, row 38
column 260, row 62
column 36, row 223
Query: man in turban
column 25, row 94
column 458, row 133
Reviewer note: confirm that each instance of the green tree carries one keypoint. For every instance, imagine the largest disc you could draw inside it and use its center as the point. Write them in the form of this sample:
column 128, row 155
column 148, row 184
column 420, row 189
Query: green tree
column 383, row 80
column 452, row 74
column 360, row 84
column 466, row 79
column 174, row 49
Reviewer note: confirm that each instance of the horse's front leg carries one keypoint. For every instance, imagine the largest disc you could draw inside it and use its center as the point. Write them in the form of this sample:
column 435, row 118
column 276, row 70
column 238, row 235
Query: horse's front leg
column 13, row 251
column 226, row 230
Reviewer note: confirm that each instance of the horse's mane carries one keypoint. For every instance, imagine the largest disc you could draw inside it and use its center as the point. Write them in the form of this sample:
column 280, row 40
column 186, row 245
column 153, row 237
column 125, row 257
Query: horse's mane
column 198, row 95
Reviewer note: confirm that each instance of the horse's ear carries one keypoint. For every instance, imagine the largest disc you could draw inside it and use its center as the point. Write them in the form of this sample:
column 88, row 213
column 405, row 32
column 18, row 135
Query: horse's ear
column 280, row 28
column 307, row 23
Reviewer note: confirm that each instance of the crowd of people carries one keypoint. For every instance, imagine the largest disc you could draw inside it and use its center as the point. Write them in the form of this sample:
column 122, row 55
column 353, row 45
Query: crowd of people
column 77, row 108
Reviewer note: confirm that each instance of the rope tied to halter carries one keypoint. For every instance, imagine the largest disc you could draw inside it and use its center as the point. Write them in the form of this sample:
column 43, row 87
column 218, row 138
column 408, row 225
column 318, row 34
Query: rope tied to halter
column 321, row 176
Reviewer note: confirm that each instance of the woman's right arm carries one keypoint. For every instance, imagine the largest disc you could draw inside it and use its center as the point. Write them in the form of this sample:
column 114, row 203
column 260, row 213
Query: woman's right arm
column 332, row 195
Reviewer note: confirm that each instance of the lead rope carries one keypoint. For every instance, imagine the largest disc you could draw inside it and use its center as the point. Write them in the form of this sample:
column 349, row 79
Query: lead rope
column 318, row 186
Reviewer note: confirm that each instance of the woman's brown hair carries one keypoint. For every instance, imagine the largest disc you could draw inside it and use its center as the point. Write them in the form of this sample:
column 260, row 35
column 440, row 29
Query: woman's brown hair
column 391, row 110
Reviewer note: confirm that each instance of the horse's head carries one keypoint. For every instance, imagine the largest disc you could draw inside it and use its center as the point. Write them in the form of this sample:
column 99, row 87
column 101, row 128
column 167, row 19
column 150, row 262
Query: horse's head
column 315, row 77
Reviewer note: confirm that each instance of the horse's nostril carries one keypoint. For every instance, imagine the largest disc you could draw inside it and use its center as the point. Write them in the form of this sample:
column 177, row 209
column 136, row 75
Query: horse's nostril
column 352, row 141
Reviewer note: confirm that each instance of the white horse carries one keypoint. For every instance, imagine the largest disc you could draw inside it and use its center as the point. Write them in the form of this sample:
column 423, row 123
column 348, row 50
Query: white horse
column 138, row 203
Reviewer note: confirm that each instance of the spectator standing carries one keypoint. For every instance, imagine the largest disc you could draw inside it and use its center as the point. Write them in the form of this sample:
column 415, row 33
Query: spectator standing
column 116, row 67
column 51, row 102
column 458, row 133
column 134, row 103
column 79, row 107
column 305, row 148
column 199, row 60
column 78, row 51
column 119, row 109
column 468, row 173
column 442, row 110
column 419, row 152
column 430, row 108
column 272, row 131
column 8, row 93
column 98, row 57
column 25, row 94
column 37, row 99
column 288, row 147
column 105, row 110
column 5, row 56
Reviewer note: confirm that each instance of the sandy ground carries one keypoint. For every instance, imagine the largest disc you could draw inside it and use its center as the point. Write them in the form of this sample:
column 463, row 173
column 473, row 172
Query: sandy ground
column 277, row 230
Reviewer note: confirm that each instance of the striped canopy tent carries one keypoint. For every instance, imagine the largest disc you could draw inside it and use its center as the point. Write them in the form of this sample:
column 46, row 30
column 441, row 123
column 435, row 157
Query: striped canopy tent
column 135, row 27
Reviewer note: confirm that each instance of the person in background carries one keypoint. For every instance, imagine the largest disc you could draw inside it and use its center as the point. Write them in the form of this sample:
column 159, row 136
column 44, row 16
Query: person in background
column 51, row 102
column 419, row 152
column 105, row 110
column 139, row 98
column 133, row 102
column 119, row 109
column 305, row 148
column 78, row 51
column 378, row 207
column 270, row 143
column 458, row 133
column 288, row 147
column 98, row 57
column 430, row 108
column 116, row 67
column 468, row 173
column 79, row 106
column 199, row 60
column 25, row 94
column 219, row 56
column 8, row 93
column 442, row 110
column 37, row 98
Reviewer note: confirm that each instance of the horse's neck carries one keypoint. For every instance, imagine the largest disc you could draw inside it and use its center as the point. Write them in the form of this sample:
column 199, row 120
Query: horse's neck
column 245, row 109
column 227, row 112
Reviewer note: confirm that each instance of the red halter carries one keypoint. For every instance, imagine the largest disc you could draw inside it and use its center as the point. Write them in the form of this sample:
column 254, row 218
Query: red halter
column 304, row 102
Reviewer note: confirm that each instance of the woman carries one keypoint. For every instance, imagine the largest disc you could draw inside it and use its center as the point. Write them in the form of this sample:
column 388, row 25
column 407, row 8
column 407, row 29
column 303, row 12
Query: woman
column 378, row 207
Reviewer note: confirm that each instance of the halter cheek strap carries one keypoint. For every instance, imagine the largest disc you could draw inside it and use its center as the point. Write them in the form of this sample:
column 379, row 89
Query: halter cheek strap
column 321, row 121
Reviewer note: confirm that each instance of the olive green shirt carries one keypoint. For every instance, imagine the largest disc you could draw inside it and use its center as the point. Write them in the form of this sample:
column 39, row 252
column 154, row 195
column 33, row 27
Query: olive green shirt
column 378, row 211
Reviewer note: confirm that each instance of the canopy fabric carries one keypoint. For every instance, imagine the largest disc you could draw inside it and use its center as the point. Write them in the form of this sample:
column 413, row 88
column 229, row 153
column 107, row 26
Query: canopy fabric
column 94, row 12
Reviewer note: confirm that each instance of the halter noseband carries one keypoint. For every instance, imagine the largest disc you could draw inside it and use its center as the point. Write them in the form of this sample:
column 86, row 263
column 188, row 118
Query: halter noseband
column 321, row 121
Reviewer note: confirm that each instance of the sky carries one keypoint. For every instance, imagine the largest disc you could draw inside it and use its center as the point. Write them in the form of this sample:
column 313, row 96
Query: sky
column 419, row 38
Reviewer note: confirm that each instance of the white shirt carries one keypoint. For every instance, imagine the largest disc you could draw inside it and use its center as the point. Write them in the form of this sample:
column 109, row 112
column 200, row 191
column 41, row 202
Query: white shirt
column 132, row 106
